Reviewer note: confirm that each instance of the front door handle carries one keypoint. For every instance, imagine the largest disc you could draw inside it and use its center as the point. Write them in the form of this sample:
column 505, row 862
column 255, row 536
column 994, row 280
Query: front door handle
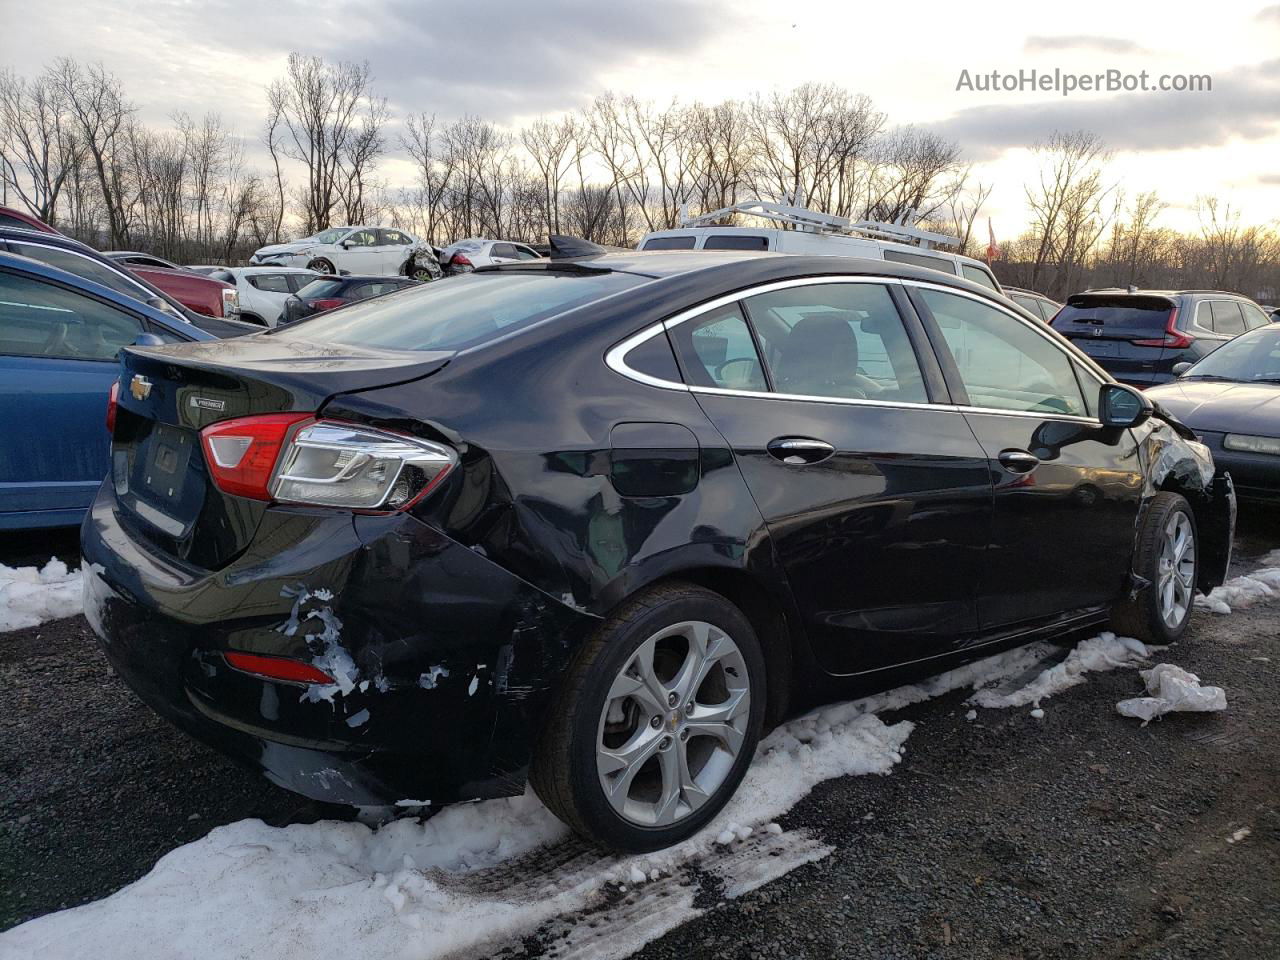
column 799, row 450
column 1018, row 461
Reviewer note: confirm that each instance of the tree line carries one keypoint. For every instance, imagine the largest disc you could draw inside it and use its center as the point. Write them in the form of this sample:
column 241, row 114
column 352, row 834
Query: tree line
column 74, row 152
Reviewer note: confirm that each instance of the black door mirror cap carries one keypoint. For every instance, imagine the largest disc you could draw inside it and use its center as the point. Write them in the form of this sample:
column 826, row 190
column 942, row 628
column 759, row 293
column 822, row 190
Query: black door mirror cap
column 148, row 340
column 1123, row 406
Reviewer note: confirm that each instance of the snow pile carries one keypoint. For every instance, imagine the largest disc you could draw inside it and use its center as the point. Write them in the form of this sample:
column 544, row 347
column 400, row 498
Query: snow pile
column 430, row 889
column 1244, row 591
column 30, row 596
column 1103, row 652
column 1172, row 688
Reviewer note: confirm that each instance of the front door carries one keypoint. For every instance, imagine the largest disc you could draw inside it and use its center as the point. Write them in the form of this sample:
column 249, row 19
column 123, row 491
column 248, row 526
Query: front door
column 877, row 501
column 1067, row 489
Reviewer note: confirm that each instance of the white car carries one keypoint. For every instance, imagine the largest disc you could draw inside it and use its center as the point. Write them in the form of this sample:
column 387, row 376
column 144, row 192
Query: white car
column 263, row 290
column 464, row 255
column 812, row 233
column 371, row 251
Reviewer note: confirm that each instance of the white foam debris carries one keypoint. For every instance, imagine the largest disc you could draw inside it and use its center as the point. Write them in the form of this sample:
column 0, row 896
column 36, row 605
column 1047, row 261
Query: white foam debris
column 636, row 876
column 1038, row 713
column 1170, row 689
column 1103, row 652
column 473, row 686
column 1244, row 591
column 412, row 803
column 30, row 596
column 971, row 715
column 356, row 719
column 726, row 837
column 1239, row 835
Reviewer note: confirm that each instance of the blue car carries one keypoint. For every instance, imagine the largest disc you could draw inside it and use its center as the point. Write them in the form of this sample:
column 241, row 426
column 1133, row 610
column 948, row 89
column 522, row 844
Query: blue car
column 60, row 339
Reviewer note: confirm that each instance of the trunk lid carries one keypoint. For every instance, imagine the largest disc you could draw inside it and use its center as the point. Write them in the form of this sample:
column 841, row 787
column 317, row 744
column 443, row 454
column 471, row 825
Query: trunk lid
column 1106, row 326
column 165, row 494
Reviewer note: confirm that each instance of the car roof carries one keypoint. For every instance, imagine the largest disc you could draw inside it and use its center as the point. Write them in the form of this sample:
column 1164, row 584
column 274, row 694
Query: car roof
column 753, row 266
column 38, row 268
column 251, row 271
column 1144, row 292
column 1028, row 293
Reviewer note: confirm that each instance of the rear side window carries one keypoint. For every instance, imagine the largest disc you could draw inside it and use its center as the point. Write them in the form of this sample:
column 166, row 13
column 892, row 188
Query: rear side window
column 718, row 351
column 726, row 241
column 270, row 282
column 1026, row 303
column 1227, row 318
column 1253, row 316
column 462, row 312
column 921, row 260
column 978, row 275
column 39, row 319
column 670, row 243
column 836, row 340
column 1120, row 316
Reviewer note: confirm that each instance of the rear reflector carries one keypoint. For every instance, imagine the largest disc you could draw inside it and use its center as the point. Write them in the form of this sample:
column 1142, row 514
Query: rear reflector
column 113, row 400
column 241, row 454
column 278, row 668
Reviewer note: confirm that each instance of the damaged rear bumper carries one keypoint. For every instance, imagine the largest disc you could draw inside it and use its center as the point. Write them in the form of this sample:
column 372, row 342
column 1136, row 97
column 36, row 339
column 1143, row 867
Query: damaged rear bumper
column 444, row 660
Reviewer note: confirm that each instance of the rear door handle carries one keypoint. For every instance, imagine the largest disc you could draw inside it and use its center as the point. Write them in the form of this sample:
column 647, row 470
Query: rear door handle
column 799, row 450
column 1018, row 461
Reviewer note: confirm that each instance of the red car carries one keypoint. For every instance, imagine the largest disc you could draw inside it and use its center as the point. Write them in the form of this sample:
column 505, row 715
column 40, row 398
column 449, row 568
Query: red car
column 10, row 217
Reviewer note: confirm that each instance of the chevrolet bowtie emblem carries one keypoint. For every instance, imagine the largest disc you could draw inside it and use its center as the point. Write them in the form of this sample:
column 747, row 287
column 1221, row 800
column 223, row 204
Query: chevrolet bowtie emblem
column 140, row 387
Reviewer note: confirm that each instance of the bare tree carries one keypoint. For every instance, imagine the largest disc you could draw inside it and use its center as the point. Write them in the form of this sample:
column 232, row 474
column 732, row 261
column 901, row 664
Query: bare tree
column 38, row 145
column 550, row 144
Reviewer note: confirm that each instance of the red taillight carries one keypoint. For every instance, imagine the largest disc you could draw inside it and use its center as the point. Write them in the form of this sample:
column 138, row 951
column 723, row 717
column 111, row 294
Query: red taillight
column 327, row 303
column 113, row 401
column 461, row 260
column 242, row 453
column 278, row 668
column 1173, row 337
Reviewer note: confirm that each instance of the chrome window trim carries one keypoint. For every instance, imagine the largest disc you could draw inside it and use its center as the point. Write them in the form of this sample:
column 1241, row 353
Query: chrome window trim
column 615, row 357
column 76, row 253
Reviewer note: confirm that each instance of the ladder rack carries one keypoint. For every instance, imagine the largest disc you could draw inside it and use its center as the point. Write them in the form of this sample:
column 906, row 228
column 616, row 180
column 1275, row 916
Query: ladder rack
column 812, row 221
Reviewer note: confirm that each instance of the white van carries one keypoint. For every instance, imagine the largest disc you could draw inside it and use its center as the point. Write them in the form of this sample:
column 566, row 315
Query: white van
column 822, row 235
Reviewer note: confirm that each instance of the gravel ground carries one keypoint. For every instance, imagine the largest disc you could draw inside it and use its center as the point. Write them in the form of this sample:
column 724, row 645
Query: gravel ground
column 1078, row 835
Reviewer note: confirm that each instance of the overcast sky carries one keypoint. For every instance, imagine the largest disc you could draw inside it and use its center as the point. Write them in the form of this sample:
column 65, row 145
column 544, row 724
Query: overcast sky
column 511, row 62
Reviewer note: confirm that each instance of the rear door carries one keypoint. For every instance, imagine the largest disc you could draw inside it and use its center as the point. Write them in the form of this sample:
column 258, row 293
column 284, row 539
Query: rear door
column 1130, row 336
column 1067, row 490
column 877, row 500
column 58, row 350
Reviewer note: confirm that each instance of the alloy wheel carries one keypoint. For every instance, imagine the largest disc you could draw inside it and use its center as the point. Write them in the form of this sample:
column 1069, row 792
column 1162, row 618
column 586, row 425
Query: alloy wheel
column 1177, row 570
column 673, row 724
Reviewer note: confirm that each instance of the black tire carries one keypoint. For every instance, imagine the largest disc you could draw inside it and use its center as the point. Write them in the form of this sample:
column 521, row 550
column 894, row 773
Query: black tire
column 1143, row 617
column 564, row 771
column 322, row 265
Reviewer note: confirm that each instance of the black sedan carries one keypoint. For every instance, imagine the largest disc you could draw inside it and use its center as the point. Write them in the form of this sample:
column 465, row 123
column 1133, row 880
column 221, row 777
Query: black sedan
column 597, row 523
column 1231, row 398
column 329, row 293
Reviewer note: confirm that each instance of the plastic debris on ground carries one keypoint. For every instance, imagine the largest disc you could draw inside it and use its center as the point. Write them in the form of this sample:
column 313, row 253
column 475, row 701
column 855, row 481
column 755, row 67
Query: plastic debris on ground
column 1172, row 689
column 30, row 596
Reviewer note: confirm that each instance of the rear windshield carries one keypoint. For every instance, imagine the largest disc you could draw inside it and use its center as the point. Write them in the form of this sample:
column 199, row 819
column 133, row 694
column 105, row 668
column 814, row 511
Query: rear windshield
column 670, row 243
column 1145, row 313
column 321, row 288
column 461, row 311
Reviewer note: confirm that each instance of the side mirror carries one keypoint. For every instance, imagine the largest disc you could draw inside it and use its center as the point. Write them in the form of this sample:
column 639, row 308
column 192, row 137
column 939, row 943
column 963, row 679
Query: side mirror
column 1121, row 406
column 148, row 340
column 345, row 244
column 1181, row 367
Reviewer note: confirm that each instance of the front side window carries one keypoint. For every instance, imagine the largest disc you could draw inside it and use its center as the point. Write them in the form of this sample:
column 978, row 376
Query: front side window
column 921, row 260
column 332, row 235
column 1003, row 363
column 40, row 319
column 717, row 351
column 843, row 340
column 978, row 275
column 270, row 282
